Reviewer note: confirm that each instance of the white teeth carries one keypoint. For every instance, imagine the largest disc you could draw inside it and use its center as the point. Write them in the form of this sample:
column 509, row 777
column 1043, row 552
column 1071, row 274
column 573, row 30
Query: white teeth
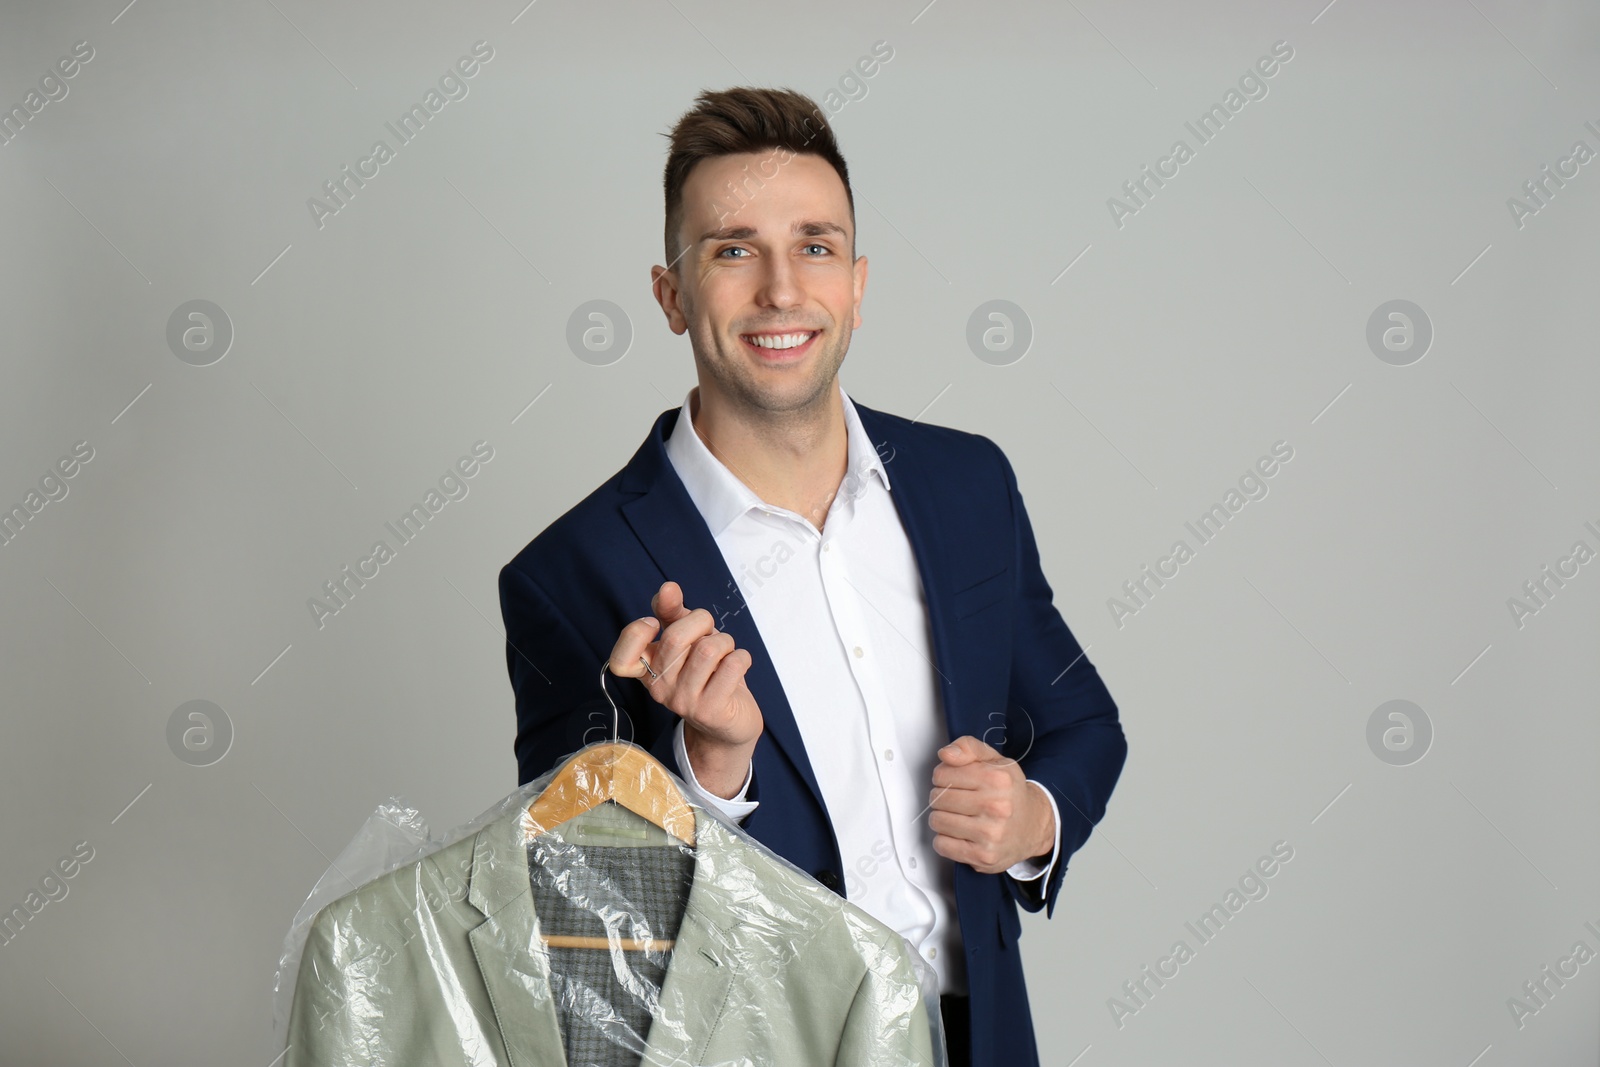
column 780, row 340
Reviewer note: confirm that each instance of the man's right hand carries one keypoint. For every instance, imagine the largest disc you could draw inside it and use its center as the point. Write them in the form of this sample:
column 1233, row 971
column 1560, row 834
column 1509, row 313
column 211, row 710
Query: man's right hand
column 701, row 679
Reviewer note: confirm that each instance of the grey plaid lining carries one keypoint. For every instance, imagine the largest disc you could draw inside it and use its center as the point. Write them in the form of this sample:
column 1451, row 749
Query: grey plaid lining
column 605, row 1018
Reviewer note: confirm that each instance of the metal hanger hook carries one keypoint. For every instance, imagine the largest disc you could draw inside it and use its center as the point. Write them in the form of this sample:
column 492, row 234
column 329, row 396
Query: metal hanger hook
column 616, row 729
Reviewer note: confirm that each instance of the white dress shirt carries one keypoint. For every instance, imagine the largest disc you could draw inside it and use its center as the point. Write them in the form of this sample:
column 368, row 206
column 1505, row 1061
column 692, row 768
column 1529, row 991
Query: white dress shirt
column 844, row 619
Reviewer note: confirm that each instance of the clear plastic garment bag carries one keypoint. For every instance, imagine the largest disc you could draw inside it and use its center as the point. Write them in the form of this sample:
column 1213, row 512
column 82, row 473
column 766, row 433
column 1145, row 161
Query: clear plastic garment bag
column 596, row 916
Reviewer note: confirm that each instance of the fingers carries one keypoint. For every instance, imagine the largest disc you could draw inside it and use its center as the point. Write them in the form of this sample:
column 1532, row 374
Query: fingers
column 631, row 643
column 636, row 638
column 957, row 801
column 668, row 603
column 967, row 749
column 970, row 804
column 699, row 661
column 728, row 678
column 694, row 669
column 961, row 827
column 970, row 776
column 713, row 670
column 678, row 638
column 977, row 854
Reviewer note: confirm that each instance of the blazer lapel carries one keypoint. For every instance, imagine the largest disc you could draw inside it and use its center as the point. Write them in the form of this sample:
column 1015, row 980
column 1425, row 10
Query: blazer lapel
column 695, row 989
column 673, row 531
column 514, row 966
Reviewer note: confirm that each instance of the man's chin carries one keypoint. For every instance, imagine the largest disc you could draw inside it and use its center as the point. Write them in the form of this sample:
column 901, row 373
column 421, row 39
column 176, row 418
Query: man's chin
column 775, row 392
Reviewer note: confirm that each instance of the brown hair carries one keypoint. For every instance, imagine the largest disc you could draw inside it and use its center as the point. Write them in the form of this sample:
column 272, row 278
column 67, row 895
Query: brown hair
column 742, row 119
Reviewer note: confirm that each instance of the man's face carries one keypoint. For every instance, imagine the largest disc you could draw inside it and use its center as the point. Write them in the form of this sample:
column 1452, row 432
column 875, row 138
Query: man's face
column 767, row 293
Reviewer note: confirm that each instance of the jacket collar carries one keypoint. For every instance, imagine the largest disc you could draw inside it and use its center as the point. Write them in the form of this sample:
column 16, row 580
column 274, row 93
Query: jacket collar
column 515, row 965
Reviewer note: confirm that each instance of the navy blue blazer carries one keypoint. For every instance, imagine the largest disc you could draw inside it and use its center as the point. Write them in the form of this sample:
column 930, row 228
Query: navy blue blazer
column 1011, row 672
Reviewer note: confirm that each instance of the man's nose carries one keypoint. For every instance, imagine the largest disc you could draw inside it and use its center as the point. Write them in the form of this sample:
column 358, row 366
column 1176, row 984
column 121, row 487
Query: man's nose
column 780, row 286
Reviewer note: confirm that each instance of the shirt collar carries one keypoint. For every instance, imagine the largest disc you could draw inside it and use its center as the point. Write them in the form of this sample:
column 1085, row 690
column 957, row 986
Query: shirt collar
column 719, row 494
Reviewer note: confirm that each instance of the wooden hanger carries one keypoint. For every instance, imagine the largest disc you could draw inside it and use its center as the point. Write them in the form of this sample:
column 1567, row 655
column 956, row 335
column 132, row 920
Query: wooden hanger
column 619, row 771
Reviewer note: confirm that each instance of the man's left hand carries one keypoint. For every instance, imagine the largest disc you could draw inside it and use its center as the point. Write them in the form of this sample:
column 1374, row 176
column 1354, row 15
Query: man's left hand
column 985, row 812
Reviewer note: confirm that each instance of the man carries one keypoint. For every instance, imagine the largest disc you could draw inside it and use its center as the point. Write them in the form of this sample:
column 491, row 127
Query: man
column 852, row 650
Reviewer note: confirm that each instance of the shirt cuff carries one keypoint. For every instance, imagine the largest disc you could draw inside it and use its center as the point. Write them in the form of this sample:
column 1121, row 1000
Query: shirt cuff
column 735, row 808
column 1029, row 870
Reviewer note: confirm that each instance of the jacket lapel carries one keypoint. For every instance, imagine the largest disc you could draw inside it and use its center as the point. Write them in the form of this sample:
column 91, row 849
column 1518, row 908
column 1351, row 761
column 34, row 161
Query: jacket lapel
column 695, row 989
column 675, row 535
column 514, row 966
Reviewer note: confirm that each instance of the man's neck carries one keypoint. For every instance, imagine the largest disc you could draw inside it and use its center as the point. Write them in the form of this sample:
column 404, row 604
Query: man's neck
column 796, row 463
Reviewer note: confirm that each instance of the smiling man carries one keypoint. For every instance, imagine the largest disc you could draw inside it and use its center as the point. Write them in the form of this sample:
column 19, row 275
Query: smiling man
column 850, row 648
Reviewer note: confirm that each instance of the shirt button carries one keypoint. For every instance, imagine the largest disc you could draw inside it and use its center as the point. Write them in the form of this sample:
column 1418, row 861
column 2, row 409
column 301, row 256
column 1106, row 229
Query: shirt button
column 933, row 952
column 913, row 862
column 859, row 653
column 888, row 753
column 826, row 545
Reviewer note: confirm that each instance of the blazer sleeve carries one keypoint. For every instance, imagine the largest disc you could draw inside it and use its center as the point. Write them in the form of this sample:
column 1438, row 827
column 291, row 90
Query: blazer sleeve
column 1078, row 746
column 320, row 1029
column 555, row 675
column 344, row 1009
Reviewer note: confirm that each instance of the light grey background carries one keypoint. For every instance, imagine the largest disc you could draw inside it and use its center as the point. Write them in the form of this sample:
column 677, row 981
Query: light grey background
column 1228, row 314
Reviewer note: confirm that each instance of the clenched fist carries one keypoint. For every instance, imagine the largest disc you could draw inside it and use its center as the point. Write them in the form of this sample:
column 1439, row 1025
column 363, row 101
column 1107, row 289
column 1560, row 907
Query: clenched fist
column 699, row 676
column 985, row 812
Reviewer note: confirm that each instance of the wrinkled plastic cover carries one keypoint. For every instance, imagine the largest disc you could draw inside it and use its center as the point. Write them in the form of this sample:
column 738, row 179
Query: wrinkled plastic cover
column 591, row 935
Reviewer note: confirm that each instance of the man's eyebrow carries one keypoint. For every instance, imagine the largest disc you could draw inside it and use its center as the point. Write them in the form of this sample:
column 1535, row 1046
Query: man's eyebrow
column 807, row 228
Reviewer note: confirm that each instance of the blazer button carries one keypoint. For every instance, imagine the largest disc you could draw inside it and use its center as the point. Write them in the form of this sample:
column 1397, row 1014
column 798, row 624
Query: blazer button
column 828, row 878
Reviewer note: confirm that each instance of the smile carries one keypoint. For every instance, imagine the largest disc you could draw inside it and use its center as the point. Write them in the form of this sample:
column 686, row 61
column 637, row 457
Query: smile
column 780, row 344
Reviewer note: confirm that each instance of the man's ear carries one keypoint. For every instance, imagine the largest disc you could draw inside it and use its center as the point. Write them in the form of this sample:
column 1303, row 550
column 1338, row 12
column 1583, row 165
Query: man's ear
column 860, row 267
column 664, row 284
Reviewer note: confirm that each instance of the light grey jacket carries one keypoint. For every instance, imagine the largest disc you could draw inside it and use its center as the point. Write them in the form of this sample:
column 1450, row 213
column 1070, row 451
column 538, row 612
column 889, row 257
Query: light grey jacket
column 439, row 963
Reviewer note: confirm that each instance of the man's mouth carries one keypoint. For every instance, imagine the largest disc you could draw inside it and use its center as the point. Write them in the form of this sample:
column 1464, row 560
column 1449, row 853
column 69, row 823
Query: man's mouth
column 776, row 346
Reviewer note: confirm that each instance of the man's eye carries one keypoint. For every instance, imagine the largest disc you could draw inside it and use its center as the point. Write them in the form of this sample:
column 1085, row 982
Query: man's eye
column 735, row 248
column 825, row 248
